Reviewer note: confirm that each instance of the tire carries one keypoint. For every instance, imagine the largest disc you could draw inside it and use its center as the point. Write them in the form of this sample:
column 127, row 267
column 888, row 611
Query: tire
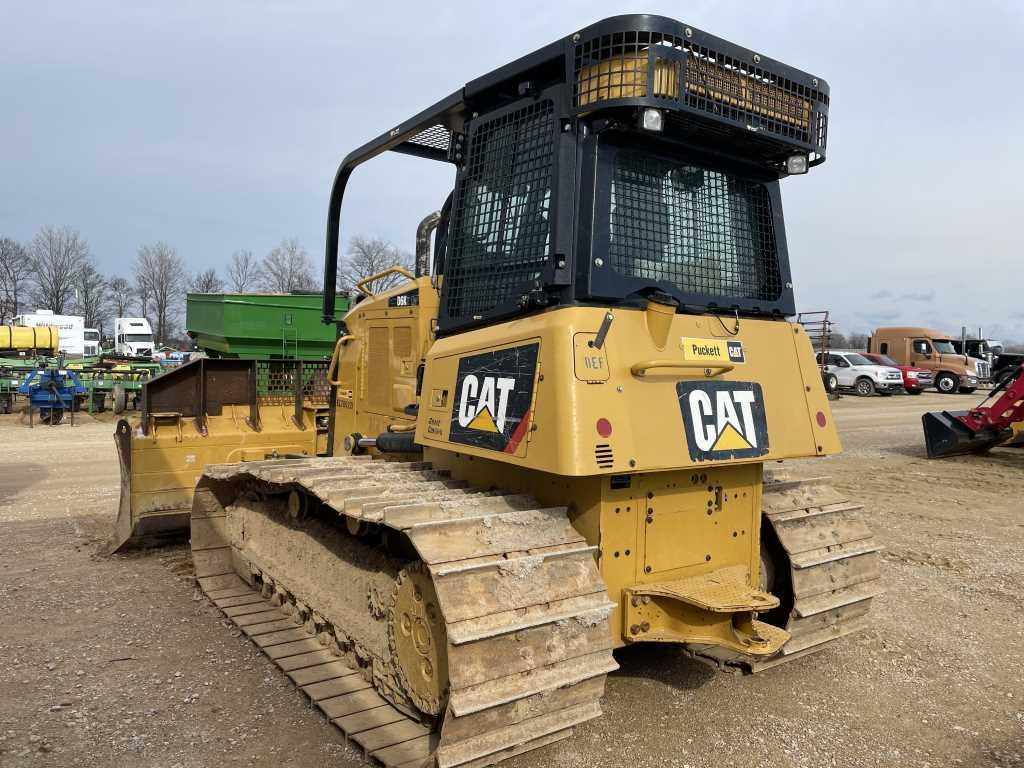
column 947, row 383
column 120, row 399
column 99, row 403
column 831, row 383
column 864, row 387
column 967, row 390
column 6, row 404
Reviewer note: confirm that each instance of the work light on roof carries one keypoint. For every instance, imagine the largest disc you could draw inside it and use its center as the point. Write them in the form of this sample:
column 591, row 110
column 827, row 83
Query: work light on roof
column 796, row 164
column 652, row 120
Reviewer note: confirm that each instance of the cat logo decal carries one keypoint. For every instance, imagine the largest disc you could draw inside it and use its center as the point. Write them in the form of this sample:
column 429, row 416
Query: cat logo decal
column 723, row 419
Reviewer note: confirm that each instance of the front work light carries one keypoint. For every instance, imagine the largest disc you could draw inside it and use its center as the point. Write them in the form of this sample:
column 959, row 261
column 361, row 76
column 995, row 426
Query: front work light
column 652, row 120
column 796, row 164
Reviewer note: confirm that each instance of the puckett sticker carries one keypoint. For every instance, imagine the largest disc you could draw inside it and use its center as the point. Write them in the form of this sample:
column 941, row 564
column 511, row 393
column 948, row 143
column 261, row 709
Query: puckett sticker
column 493, row 395
column 723, row 419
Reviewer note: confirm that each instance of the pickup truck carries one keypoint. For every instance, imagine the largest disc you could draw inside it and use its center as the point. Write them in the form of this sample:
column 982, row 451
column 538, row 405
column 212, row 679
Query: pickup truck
column 915, row 380
column 851, row 370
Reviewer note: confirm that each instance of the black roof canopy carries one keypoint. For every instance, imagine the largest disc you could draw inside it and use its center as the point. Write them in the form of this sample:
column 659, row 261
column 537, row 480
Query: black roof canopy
column 712, row 92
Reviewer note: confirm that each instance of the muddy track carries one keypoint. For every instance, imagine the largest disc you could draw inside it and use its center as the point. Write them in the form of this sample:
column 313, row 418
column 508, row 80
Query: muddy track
column 524, row 609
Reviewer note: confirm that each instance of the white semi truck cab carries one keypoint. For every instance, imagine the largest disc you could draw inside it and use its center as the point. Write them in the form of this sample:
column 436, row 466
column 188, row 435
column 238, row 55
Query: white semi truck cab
column 133, row 337
column 92, row 342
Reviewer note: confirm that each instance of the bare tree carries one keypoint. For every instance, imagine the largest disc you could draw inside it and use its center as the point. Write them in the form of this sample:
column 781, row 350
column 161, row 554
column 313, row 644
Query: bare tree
column 858, row 341
column 56, row 256
column 243, row 271
column 161, row 279
column 90, row 295
column 143, row 294
column 369, row 256
column 287, row 268
column 14, row 271
column 207, row 282
column 122, row 296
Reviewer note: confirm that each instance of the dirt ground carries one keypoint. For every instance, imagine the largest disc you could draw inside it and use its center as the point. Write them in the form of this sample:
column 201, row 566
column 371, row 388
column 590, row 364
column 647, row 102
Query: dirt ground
column 120, row 662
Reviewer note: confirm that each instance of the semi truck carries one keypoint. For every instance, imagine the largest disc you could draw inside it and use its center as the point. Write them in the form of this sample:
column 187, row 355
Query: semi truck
column 92, row 342
column 133, row 337
column 933, row 350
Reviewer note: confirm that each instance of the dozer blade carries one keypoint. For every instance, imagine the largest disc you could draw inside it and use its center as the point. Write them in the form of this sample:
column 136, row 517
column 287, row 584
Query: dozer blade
column 945, row 435
column 210, row 411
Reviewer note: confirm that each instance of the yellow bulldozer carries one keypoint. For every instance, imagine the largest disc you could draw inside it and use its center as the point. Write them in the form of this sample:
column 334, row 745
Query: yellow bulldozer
column 550, row 440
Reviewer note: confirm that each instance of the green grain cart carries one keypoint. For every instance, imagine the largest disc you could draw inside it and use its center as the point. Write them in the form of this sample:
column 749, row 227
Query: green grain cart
column 261, row 325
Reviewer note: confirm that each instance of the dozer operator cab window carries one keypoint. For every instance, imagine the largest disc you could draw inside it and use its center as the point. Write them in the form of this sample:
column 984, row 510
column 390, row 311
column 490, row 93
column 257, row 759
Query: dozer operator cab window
column 702, row 231
column 501, row 229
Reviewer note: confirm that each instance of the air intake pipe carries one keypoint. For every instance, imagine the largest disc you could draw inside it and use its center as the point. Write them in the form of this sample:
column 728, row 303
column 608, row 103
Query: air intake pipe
column 423, row 232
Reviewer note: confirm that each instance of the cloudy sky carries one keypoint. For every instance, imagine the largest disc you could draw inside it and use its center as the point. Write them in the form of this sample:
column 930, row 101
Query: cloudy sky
column 218, row 125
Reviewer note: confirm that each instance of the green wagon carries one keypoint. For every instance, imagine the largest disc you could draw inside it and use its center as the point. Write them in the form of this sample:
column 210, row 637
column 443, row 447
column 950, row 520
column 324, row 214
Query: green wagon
column 261, row 325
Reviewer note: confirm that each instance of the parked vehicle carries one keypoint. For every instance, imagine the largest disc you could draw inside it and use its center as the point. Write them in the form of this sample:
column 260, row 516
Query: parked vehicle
column 92, row 342
column 72, row 329
column 851, row 370
column 915, row 380
column 1003, row 365
column 133, row 337
column 933, row 350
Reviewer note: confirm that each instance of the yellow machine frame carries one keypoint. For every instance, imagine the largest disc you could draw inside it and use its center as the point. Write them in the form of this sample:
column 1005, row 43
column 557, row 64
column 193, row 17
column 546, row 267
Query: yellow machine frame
column 678, row 537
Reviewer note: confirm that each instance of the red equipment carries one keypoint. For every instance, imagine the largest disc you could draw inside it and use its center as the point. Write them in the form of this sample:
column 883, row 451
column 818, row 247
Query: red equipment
column 949, row 433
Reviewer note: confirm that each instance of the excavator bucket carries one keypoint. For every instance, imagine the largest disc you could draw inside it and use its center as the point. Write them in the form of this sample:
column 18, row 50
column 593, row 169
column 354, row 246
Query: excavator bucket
column 210, row 411
column 946, row 435
column 997, row 421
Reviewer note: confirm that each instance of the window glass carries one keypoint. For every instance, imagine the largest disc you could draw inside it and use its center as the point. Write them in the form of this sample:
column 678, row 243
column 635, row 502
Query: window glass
column 704, row 231
column 922, row 347
column 854, row 359
column 500, row 229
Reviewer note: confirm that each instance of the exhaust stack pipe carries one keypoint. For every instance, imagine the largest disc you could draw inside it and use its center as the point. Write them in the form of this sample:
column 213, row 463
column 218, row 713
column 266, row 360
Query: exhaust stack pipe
column 423, row 232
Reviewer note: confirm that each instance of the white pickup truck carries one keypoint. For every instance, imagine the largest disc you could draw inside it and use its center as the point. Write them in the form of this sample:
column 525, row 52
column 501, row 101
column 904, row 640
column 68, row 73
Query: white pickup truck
column 851, row 370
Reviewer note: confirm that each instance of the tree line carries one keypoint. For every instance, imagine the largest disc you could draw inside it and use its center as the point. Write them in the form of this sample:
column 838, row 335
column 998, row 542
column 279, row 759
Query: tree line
column 57, row 270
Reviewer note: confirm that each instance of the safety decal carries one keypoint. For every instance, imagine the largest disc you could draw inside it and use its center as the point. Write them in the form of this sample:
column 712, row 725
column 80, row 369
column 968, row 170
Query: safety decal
column 723, row 419
column 493, row 395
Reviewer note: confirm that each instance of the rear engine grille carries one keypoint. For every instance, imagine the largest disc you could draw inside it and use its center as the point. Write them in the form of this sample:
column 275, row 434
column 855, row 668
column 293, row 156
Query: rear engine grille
column 603, row 455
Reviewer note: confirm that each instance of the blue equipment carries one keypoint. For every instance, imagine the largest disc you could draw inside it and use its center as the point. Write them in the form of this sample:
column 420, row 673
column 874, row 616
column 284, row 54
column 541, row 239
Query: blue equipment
column 53, row 391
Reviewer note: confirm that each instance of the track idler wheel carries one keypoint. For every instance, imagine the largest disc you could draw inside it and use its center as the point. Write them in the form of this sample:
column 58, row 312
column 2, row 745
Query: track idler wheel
column 419, row 643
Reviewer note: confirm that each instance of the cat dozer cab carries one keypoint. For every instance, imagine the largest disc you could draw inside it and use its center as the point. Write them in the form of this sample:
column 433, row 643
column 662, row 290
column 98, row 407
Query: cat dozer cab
column 210, row 411
column 550, row 441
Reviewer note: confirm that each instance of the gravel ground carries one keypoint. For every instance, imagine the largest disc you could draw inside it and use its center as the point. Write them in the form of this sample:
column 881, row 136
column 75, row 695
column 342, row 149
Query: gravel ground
column 117, row 661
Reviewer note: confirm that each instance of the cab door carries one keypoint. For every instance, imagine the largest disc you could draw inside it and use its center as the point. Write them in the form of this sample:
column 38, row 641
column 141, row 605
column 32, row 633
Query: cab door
column 921, row 353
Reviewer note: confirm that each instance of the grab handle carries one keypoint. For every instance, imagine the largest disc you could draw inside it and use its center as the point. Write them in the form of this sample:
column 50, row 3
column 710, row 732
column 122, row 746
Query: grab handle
column 683, row 366
column 361, row 286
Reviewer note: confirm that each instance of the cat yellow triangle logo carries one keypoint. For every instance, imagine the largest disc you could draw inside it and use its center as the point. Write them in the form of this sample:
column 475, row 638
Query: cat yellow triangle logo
column 730, row 440
column 483, row 422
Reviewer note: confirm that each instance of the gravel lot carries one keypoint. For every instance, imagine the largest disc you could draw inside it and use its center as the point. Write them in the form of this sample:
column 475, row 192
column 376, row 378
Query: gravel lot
column 120, row 662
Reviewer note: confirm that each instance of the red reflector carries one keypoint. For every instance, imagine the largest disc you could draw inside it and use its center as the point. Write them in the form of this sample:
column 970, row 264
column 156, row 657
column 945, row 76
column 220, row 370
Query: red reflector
column 821, row 419
column 604, row 428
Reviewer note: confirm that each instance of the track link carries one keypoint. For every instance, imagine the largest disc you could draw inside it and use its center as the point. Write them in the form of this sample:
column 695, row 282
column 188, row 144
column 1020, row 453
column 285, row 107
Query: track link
column 524, row 608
